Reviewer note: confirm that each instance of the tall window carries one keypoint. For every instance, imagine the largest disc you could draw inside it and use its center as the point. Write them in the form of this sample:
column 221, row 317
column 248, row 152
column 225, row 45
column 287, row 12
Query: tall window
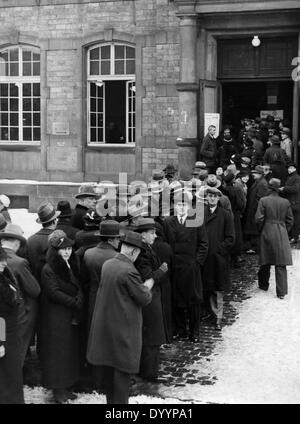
column 111, row 94
column 20, row 94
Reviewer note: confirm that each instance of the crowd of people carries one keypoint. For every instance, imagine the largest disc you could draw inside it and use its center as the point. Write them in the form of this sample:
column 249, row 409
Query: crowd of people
column 101, row 288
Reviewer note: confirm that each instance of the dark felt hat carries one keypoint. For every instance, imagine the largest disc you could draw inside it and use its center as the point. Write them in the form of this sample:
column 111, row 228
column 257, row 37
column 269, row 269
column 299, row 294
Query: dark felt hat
column 213, row 190
column 65, row 209
column 13, row 231
column 170, row 169
column 109, row 228
column 259, row 169
column 3, row 254
column 86, row 190
column 46, row 213
column 274, row 184
column 158, row 175
column 59, row 240
column 133, row 239
column 145, row 224
column 275, row 139
column 3, row 222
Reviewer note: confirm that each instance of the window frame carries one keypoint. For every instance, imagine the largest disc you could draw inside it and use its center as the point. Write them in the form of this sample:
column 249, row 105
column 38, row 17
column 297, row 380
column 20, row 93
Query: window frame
column 127, row 78
column 19, row 80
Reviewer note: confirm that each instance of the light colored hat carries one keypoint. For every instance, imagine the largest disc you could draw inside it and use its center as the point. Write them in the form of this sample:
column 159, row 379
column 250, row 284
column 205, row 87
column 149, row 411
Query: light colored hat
column 13, row 231
column 4, row 200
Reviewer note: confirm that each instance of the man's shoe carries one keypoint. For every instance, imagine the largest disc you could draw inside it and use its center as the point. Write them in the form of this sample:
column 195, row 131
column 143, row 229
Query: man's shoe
column 280, row 297
column 250, row 252
column 206, row 316
column 70, row 395
column 180, row 337
column 218, row 325
column 262, row 288
column 194, row 339
column 60, row 395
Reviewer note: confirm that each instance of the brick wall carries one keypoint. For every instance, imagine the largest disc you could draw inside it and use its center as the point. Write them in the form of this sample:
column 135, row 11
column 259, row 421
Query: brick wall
column 65, row 28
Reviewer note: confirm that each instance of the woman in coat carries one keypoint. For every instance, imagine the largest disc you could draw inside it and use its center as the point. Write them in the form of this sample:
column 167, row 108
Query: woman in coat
column 165, row 254
column 149, row 266
column 274, row 218
column 11, row 378
column 221, row 237
column 60, row 315
column 238, row 203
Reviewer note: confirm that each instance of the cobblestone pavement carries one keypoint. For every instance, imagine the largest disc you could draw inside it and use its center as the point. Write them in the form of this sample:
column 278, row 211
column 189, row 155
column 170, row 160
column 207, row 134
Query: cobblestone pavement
column 253, row 359
column 180, row 360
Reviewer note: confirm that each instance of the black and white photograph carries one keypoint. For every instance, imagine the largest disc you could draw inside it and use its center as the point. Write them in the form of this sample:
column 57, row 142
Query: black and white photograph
column 149, row 204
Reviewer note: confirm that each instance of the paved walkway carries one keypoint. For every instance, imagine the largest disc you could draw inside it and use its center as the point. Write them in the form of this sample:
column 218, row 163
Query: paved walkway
column 254, row 360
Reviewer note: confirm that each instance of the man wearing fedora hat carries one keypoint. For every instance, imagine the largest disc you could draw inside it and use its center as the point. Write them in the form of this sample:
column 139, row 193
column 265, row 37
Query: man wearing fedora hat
column 149, row 266
column 94, row 258
column 257, row 190
column 274, row 219
column 170, row 173
column 64, row 220
column 189, row 246
column 11, row 240
column 86, row 197
column 215, row 273
column 286, row 141
column 37, row 244
column 291, row 191
column 115, row 339
column 277, row 158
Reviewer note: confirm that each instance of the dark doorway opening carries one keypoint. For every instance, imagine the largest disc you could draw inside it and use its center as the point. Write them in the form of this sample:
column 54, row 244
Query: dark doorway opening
column 247, row 99
column 115, row 111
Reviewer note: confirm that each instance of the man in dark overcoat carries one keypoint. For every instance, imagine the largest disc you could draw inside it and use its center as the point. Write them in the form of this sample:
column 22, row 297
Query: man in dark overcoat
column 291, row 191
column 37, row 244
column 257, row 190
column 87, row 198
column 64, row 219
column 274, row 219
column 94, row 258
column 209, row 150
column 238, row 204
column 11, row 240
column 149, row 266
column 115, row 340
column 220, row 233
column 277, row 158
column 189, row 245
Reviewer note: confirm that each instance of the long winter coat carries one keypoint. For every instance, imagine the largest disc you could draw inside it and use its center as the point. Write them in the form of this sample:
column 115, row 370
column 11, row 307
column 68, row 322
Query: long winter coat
column 208, row 151
column 65, row 225
column 291, row 191
column 93, row 261
column 30, row 290
column 77, row 218
column 278, row 160
column 257, row 190
column 220, row 233
column 59, row 339
column 189, row 246
column 165, row 254
column 274, row 219
column 37, row 246
column 225, row 152
column 148, row 264
column 115, row 338
column 238, row 204
column 11, row 378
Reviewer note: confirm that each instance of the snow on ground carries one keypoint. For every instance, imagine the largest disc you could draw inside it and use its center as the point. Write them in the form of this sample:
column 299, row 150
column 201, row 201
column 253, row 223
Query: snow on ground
column 257, row 360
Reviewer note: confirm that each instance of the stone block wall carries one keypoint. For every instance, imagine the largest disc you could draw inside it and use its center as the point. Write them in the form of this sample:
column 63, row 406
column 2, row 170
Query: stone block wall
column 62, row 30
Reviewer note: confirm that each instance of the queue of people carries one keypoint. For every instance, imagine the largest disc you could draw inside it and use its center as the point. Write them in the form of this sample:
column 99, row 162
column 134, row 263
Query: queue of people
column 100, row 288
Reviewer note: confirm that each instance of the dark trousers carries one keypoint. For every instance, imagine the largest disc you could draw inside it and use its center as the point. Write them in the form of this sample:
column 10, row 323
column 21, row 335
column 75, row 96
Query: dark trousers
column 190, row 316
column 149, row 362
column 280, row 277
column 295, row 231
column 114, row 383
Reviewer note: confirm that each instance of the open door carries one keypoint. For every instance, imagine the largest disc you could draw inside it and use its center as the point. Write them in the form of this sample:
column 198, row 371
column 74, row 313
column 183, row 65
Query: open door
column 209, row 101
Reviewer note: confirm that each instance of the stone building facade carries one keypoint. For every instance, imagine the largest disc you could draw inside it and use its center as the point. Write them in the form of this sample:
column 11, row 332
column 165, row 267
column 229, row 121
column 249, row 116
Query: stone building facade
column 71, row 63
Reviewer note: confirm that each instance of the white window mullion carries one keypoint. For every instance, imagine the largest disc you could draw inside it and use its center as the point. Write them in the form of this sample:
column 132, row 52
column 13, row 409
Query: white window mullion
column 20, row 88
column 112, row 52
column 89, row 111
column 104, row 119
